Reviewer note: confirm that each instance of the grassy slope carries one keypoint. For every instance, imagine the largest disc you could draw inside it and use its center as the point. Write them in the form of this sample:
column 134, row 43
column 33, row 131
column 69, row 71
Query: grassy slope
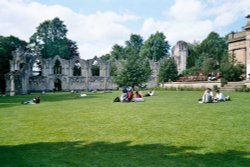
column 170, row 129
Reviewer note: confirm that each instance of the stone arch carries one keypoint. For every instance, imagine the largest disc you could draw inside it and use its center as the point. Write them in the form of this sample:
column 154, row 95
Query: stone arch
column 95, row 68
column 77, row 70
column 37, row 67
column 57, row 84
column 57, row 67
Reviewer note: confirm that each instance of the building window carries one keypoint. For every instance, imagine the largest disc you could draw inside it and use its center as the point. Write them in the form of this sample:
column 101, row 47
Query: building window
column 57, row 67
column 77, row 71
column 36, row 68
column 95, row 69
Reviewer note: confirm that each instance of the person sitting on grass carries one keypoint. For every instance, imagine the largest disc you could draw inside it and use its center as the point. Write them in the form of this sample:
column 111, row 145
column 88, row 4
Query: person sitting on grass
column 138, row 97
column 207, row 97
column 130, row 95
column 36, row 100
column 124, row 95
column 150, row 93
column 220, row 97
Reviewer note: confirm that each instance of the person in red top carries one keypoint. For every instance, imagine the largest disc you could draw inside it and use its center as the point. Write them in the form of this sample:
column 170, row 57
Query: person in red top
column 138, row 95
column 130, row 95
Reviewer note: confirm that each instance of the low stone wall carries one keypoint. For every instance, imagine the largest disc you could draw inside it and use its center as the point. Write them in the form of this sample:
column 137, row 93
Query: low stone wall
column 204, row 84
column 247, row 83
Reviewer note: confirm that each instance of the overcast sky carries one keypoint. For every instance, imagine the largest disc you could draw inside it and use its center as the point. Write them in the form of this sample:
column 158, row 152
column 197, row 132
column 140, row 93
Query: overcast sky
column 96, row 25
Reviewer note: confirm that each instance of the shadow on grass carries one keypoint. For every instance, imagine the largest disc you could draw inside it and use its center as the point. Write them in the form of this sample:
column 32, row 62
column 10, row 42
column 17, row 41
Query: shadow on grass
column 115, row 154
column 12, row 101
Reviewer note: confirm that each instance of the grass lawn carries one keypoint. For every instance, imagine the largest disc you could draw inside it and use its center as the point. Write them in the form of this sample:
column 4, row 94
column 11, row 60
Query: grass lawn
column 169, row 129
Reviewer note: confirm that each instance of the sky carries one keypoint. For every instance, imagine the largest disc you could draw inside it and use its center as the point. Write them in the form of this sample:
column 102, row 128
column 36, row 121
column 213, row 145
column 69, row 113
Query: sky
column 96, row 25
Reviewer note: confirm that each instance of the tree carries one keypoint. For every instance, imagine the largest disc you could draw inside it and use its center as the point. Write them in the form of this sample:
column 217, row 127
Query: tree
column 231, row 71
column 214, row 47
column 51, row 39
column 7, row 45
column 118, row 52
column 134, row 73
column 133, row 46
column 209, row 65
column 156, row 47
column 193, row 54
column 168, row 71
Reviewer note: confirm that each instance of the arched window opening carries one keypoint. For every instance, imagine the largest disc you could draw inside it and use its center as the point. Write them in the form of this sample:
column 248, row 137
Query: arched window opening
column 95, row 69
column 58, row 85
column 77, row 69
column 21, row 66
column 36, row 68
column 57, row 67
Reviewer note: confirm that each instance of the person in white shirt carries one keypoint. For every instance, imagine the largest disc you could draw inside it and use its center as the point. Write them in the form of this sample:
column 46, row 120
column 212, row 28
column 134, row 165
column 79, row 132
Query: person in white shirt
column 207, row 96
column 219, row 96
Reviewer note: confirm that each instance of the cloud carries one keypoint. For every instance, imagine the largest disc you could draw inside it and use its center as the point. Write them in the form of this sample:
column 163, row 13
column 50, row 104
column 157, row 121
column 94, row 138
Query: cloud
column 184, row 21
column 95, row 34
column 184, row 10
column 193, row 20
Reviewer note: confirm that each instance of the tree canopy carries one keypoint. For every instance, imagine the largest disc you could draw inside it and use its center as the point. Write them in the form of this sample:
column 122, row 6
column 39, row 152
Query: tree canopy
column 50, row 40
column 207, row 55
column 155, row 47
column 134, row 73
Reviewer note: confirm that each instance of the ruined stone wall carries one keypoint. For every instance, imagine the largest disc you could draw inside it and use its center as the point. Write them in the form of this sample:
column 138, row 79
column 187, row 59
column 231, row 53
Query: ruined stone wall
column 22, row 78
column 180, row 54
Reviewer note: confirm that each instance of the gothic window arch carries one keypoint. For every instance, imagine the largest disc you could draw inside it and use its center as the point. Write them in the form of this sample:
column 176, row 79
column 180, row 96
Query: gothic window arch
column 57, row 67
column 95, row 68
column 37, row 68
column 77, row 71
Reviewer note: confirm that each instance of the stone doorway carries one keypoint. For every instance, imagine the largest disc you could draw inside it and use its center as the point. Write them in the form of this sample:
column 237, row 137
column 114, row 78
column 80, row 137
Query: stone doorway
column 58, row 85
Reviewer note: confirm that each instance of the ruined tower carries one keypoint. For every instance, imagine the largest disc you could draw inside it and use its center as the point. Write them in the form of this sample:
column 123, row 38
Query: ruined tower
column 180, row 53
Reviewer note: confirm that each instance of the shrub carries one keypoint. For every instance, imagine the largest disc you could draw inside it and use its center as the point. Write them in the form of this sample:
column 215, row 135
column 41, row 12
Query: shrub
column 243, row 88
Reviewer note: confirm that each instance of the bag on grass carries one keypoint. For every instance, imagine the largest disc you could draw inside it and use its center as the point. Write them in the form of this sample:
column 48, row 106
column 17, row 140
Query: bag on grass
column 117, row 99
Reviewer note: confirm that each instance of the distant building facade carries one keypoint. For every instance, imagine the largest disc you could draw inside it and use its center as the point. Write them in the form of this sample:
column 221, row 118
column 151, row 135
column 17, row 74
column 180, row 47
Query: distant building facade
column 239, row 46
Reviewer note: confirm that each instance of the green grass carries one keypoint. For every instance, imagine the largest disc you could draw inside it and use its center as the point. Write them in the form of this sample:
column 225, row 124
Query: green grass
column 169, row 129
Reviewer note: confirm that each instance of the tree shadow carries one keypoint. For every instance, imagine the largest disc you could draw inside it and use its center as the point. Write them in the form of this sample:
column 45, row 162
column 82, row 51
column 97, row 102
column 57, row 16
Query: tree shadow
column 124, row 154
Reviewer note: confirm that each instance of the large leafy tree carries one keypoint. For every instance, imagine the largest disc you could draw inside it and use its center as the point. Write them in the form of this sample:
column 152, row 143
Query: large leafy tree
column 134, row 73
column 133, row 46
column 7, row 45
column 168, row 71
column 155, row 47
column 214, row 47
column 50, row 40
column 135, row 70
column 193, row 54
column 118, row 52
column 207, row 56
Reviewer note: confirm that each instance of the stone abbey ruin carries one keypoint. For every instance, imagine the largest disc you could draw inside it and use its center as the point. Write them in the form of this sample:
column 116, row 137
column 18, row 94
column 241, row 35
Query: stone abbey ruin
column 30, row 73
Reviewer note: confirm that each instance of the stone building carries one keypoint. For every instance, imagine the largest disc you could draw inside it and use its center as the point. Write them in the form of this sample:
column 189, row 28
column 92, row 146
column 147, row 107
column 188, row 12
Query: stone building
column 180, row 54
column 239, row 46
column 33, row 73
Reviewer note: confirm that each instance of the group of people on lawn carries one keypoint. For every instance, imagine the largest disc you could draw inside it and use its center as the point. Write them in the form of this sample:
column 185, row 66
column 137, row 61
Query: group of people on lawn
column 129, row 96
column 208, row 96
